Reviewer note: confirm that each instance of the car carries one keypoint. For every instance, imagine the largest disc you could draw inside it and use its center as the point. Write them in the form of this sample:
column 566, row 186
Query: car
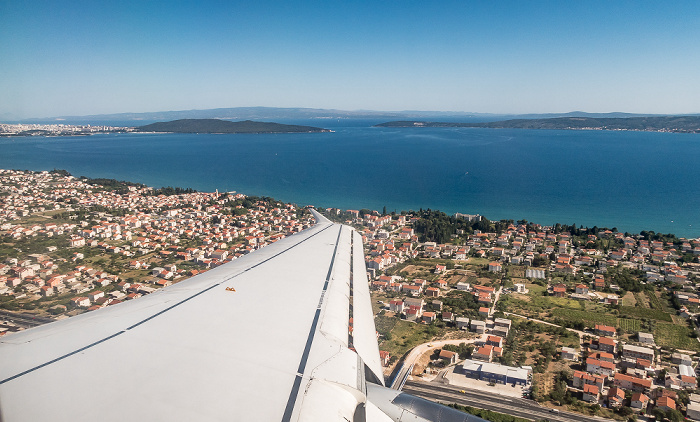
column 462, row 391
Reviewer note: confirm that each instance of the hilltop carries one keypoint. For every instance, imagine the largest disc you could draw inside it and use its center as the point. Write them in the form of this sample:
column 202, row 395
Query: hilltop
column 684, row 124
column 225, row 126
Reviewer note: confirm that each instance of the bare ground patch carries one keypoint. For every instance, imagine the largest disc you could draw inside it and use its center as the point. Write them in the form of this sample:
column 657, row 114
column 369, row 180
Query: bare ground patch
column 641, row 300
column 629, row 299
column 454, row 279
column 458, row 334
column 517, row 272
column 422, row 363
column 520, row 296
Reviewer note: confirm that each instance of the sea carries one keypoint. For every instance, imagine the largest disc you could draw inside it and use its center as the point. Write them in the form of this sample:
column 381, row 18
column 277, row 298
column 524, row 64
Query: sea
column 631, row 181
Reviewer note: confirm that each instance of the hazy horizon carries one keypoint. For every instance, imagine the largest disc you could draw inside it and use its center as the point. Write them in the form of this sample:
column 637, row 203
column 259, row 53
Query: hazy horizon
column 293, row 113
column 82, row 58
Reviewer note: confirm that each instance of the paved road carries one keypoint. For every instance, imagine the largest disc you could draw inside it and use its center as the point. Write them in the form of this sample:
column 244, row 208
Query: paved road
column 483, row 399
column 24, row 320
column 418, row 351
column 495, row 300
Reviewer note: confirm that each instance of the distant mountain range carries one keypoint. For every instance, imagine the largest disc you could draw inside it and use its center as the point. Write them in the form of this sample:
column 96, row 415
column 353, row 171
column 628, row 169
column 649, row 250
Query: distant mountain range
column 225, row 126
column 684, row 124
column 276, row 113
column 235, row 113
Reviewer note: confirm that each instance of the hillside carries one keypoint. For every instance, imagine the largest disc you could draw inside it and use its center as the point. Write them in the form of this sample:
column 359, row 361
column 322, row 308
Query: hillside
column 224, row 126
column 684, row 124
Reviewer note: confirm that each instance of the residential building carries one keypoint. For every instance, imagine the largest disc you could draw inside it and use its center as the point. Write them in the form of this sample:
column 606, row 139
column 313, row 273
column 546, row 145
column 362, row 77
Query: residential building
column 590, row 393
column 582, row 378
column 606, row 344
column 631, row 351
column 520, row 288
column 645, row 338
column 681, row 359
column 639, row 401
column 484, row 353
column 629, row 382
column 448, row 357
column 503, row 322
column 569, row 353
column 494, row 341
column 605, row 330
column 478, row 326
column 462, row 323
column 666, row 403
column 600, row 367
column 429, row 317
column 396, row 306
column 384, row 357
column 616, row 397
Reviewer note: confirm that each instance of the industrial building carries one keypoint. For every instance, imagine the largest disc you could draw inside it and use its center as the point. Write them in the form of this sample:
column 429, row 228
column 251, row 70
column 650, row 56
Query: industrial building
column 494, row 372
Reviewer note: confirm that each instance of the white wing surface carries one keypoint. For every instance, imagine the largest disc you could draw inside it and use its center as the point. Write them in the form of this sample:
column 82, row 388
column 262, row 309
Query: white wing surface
column 263, row 338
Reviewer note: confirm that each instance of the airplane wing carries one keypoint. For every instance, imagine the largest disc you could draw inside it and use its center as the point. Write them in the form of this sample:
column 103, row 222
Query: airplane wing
column 263, row 338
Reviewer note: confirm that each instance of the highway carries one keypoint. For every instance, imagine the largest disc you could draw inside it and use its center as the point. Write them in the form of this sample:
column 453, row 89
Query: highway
column 24, row 320
column 483, row 399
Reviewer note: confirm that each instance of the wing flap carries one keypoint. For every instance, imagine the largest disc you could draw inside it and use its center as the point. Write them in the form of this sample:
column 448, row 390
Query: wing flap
column 364, row 331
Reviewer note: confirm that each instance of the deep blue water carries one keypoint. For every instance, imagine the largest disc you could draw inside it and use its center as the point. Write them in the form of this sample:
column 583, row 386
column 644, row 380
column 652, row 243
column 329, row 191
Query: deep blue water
column 630, row 180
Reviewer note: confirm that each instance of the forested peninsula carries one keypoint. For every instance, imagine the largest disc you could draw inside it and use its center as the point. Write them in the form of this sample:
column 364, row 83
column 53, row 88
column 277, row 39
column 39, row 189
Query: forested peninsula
column 225, row 126
column 681, row 124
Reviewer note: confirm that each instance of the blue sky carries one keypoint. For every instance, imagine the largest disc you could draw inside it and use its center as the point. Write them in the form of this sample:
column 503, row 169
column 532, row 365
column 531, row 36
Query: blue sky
column 88, row 57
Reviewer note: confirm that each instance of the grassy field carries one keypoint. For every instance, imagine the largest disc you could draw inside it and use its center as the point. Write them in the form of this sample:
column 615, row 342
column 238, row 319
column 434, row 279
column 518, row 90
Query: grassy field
column 639, row 312
column 403, row 335
column 478, row 261
column 535, row 289
column 675, row 336
column 516, row 271
column 590, row 319
column 629, row 299
column 654, row 301
column 629, row 325
column 377, row 296
column 641, row 299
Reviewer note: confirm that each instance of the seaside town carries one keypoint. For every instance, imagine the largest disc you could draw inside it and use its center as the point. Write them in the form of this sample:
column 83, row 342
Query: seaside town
column 58, row 129
column 592, row 321
column 589, row 320
column 71, row 245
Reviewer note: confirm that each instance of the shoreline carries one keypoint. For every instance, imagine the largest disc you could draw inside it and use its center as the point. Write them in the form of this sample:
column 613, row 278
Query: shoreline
column 398, row 212
column 355, row 169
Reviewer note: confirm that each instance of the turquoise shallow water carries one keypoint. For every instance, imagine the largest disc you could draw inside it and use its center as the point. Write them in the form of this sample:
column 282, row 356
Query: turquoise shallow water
column 630, row 180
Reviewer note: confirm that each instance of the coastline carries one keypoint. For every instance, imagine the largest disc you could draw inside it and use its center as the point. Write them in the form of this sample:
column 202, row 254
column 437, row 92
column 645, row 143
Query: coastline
column 616, row 180
column 403, row 211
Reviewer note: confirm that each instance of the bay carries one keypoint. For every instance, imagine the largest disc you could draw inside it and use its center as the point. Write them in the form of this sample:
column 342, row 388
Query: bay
column 629, row 180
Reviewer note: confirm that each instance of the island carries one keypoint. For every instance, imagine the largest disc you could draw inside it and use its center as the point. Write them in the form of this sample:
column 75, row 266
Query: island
column 225, row 126
column 681, row 124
